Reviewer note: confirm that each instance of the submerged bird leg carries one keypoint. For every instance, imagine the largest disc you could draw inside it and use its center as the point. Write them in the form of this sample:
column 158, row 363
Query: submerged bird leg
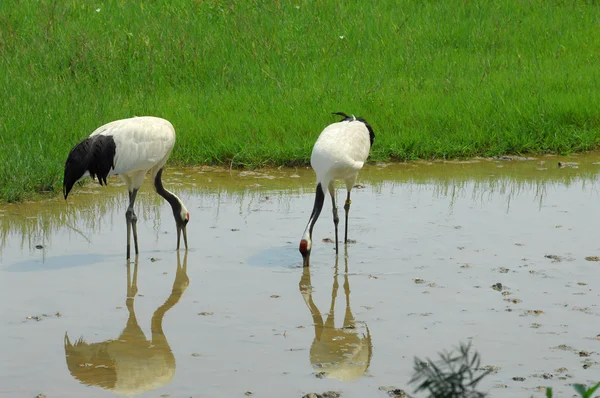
column 348, row 316
column 330, row 322
column 132, row 285
column 349, row 321
column 336, row 219
column 131, row 219
column 347, row 208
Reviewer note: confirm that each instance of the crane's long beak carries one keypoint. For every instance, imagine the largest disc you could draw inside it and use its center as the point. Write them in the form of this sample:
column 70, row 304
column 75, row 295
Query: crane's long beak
column 182, row 228
column 306, row 260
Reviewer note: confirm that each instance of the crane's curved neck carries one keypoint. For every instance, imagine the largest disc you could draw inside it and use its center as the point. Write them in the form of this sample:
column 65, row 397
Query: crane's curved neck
column 170, row 197
column 319, row 199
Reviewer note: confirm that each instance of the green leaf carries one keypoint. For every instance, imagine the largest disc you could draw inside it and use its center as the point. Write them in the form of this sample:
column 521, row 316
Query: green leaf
column 592, row 390
column 580, row 388
column 549, row 392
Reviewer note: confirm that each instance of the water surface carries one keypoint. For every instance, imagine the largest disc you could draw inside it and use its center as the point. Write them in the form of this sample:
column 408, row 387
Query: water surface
column 238, row 313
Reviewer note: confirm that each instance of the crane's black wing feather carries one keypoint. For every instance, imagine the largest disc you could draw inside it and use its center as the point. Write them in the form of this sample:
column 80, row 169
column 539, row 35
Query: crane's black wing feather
column 94, row 154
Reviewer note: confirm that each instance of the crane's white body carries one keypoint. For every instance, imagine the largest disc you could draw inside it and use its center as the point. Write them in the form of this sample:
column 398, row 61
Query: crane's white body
column 340, row 152
column 129, row 148
column 142, row 144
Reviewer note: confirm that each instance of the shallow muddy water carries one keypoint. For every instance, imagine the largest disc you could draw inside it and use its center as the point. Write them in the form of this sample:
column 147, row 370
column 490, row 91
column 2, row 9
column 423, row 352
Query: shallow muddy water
column 239, row 314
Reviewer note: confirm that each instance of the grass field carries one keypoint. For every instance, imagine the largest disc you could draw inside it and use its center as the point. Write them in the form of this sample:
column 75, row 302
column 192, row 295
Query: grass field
column 250, row 83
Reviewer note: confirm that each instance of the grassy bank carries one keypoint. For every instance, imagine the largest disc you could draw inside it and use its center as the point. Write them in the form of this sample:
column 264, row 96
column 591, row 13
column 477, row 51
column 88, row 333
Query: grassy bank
column 253, row 82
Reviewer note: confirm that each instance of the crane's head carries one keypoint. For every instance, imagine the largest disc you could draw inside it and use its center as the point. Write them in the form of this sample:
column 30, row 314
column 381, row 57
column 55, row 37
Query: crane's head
column 182, row 217
column 305, row 246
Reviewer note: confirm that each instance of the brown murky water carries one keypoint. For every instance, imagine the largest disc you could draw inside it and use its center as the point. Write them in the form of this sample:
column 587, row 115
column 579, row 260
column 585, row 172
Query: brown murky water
column 237, row 314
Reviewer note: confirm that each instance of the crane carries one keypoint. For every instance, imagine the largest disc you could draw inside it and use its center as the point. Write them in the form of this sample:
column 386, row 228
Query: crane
column 339, row 154
column 129, row 148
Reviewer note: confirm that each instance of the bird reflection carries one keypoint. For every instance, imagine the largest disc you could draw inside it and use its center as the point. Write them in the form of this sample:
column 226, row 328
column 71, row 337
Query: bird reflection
column 130, row 364
column 342, row 353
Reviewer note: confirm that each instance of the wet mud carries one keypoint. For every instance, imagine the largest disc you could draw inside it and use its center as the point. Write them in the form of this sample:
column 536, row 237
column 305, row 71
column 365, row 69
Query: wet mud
column 500, row 252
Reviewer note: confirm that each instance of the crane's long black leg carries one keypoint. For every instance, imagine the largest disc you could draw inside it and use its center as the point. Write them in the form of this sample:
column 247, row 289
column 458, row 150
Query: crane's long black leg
column 347, row 208
column 128, row 220
column 131, row 218
column 336, row 219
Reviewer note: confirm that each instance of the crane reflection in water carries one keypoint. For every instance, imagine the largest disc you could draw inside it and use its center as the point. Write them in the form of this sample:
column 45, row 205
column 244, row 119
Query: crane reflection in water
column 130, row 364
column 342, row 353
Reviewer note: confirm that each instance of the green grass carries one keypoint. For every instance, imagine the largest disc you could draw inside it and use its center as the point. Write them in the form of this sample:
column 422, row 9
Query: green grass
column 252, row 83
column 582, row 390
column 457, row 374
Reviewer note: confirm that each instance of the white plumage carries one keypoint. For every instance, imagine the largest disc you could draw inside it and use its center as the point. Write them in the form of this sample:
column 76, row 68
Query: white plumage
column 129, row 148
column 339, row 154
column 143, row 143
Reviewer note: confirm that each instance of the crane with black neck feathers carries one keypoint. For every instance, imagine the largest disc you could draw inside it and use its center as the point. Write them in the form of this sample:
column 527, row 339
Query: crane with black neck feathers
column 129, row 148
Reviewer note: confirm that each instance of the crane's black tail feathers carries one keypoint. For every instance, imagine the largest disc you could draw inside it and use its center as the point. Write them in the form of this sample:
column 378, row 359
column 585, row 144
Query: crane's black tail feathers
column 342, row 114
column 95, row 155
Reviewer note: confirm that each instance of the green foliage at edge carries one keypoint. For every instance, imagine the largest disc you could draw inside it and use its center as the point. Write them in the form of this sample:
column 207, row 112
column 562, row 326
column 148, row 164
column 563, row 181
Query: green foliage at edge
column 252, row 83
